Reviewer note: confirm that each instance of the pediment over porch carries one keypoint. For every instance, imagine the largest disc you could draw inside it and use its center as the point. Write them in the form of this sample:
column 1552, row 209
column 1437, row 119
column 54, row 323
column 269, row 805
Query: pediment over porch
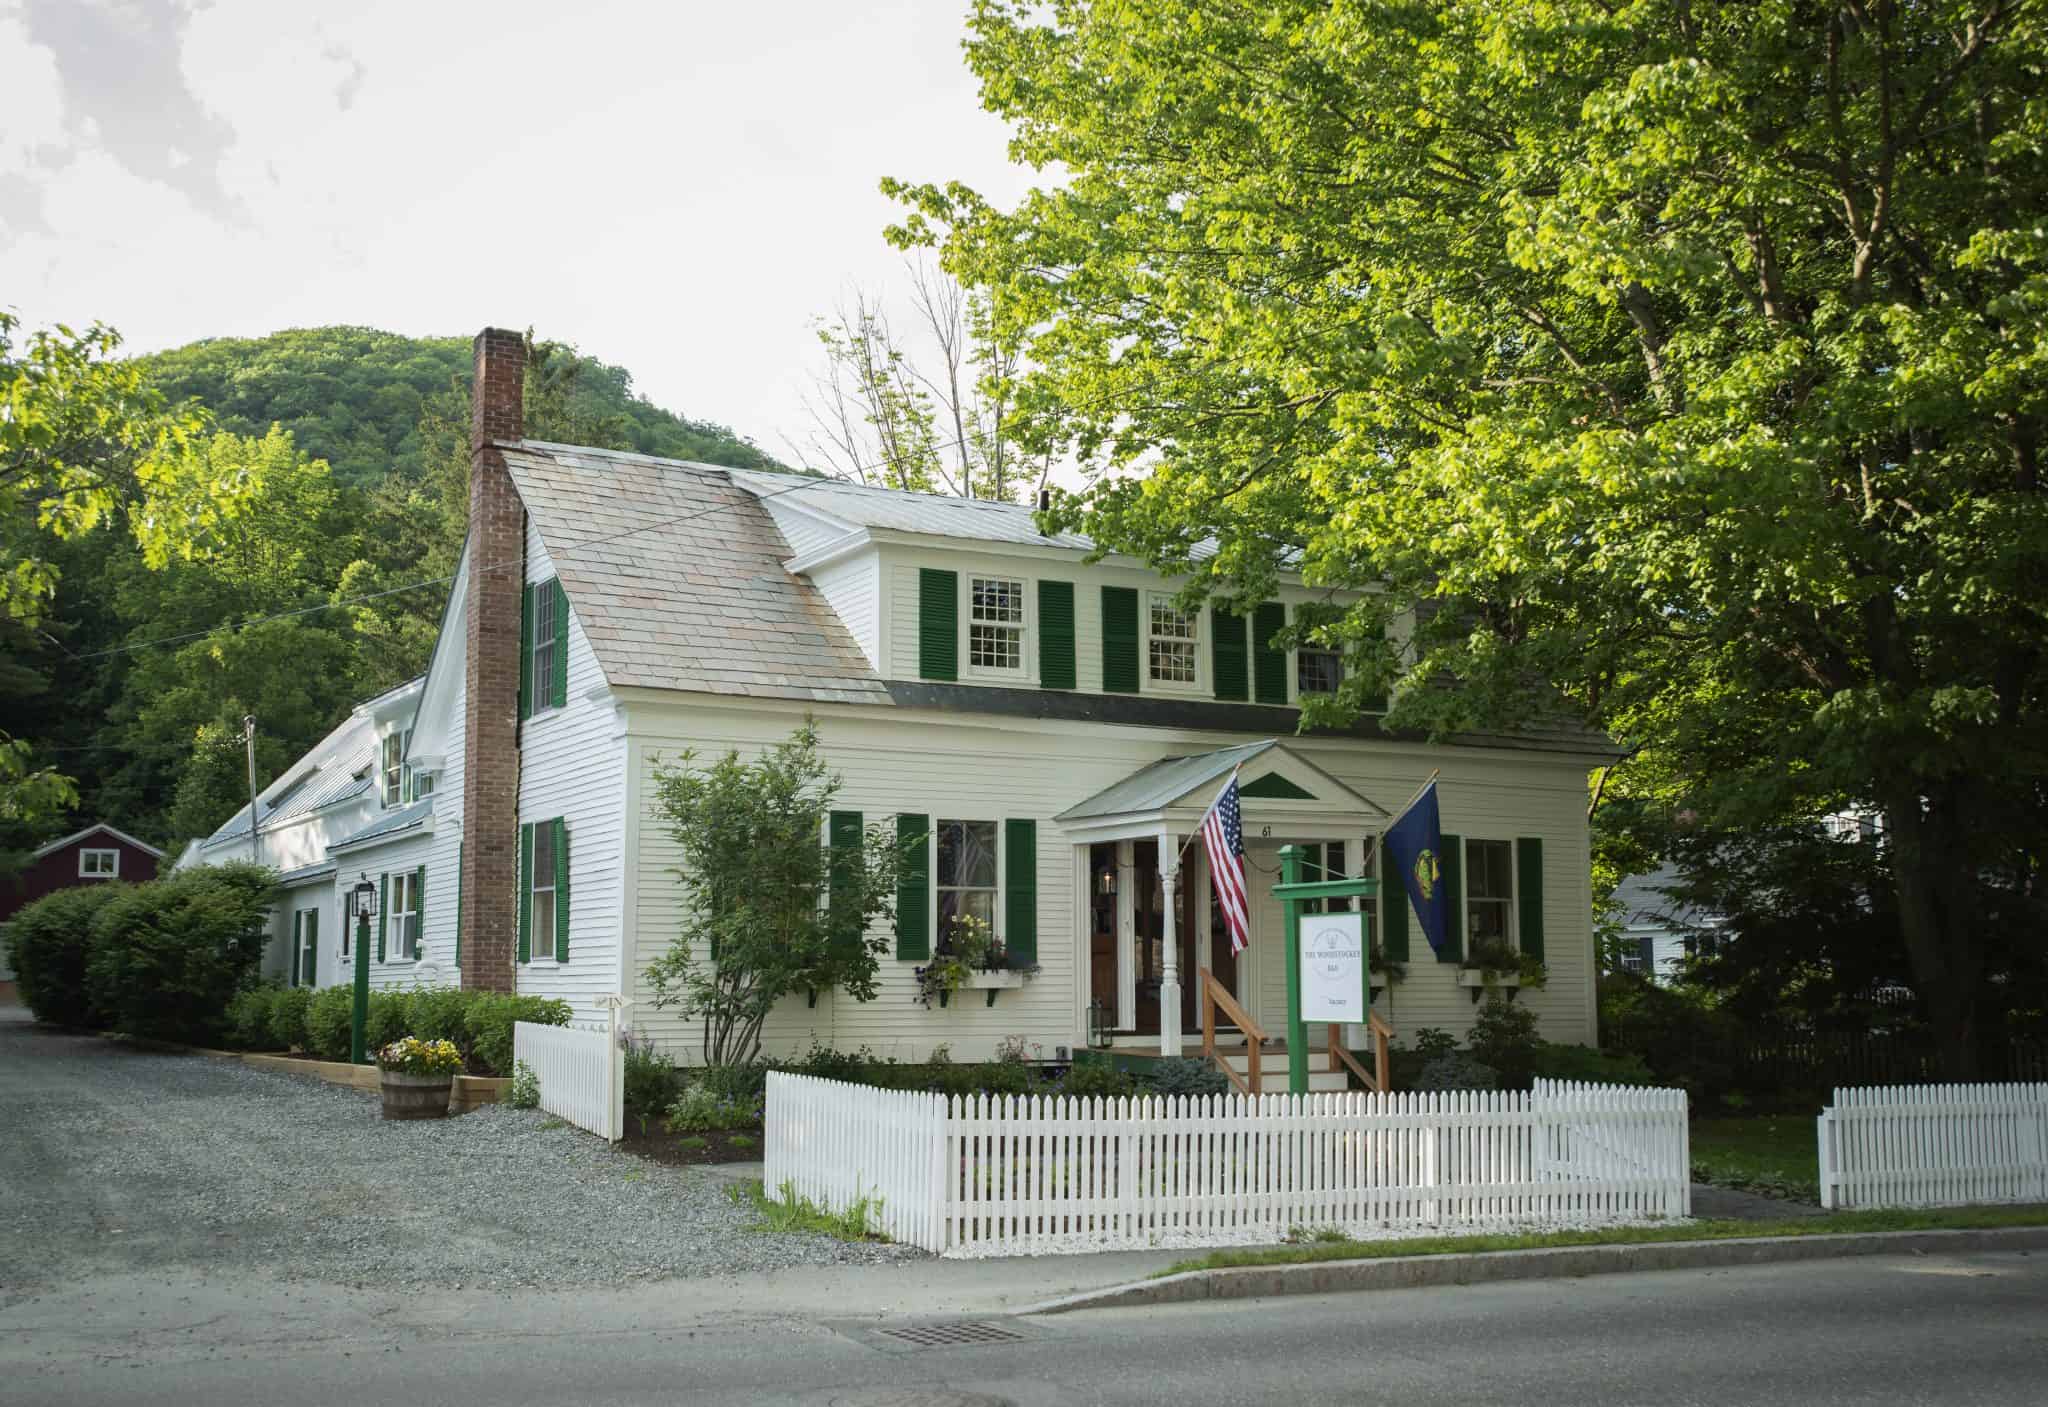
column 1285, row 797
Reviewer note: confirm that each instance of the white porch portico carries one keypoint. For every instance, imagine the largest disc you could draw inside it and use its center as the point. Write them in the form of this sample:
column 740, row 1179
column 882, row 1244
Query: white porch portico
column 1149, row 912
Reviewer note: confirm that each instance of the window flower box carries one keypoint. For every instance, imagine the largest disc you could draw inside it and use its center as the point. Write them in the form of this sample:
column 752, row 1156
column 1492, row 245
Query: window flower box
column 1476, row 980
column 1005, row 980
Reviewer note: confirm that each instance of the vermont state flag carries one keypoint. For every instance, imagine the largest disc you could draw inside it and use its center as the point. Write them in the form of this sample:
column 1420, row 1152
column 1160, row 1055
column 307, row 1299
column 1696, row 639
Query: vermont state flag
column 1413, row 845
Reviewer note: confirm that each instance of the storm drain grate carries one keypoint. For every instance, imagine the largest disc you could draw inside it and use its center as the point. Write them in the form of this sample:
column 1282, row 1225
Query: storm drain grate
column 945, row 1335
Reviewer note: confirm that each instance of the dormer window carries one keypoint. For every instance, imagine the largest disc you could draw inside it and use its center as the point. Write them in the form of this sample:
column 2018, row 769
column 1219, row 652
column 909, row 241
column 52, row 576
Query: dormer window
column 391, row 770
column 995, row 624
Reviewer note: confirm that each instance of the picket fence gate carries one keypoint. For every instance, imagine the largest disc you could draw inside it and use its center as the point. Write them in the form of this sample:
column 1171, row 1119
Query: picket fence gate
column 1038, row 1175
column 581, row 1071
column 1934, row 1146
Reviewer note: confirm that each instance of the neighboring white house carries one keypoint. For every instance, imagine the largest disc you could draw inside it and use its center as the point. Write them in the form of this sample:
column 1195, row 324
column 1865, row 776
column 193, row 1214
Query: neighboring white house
column 1054, row 727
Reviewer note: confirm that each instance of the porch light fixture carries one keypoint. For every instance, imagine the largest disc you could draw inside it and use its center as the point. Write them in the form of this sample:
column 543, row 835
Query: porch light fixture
column 1105, row 881
column 362, row 900
column 1098, row 1024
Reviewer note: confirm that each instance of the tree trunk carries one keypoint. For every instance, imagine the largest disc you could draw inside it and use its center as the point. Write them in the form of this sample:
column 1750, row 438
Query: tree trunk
column 1936, row 880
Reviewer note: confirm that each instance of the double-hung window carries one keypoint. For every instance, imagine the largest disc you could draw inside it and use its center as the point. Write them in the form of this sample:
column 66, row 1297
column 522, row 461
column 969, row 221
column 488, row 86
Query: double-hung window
column 404, row 923
column 966, row 876
column 541, row 898
column 1489, row 892
column 391, row 770
column 1323, row 860
column 1317, row 671
column 540, row 686
column 1172, row 637
column 995, row 624
column 99, row 864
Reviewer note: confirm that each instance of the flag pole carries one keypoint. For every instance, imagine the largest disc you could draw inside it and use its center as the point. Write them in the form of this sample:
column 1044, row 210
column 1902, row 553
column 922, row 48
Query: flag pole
column 1195, row 834
column 1395, row 820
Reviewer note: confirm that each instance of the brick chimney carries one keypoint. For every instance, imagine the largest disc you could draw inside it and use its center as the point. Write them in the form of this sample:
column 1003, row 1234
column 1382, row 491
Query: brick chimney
column 497, row 576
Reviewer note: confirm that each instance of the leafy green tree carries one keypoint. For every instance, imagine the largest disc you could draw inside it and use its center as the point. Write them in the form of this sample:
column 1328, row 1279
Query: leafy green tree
column 769, row 908
column 1674, row 367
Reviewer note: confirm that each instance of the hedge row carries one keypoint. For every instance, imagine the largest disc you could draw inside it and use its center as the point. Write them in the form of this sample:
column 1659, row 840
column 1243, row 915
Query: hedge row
column 160, row 960
column 319, row 1023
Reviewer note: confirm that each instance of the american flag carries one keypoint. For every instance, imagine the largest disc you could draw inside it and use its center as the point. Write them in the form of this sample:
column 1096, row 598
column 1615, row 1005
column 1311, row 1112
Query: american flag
column 1223, row 839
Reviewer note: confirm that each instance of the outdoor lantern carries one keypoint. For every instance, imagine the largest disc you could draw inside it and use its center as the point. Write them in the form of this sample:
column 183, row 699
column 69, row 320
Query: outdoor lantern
column 362, row 900
column 1105, row 882
column 1098, row 1025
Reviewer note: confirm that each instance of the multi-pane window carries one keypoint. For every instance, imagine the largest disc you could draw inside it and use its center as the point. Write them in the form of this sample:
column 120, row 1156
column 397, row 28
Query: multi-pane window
column 995, row 624
column 1317, row 671
column 391, row 770
column 1321, row 860
column 541, row 686
column 422, row 785
column 541, row 898
column 1489, row 890
column 1171, row 635
column 966, row 875
column 403, row 923
column 99, row 864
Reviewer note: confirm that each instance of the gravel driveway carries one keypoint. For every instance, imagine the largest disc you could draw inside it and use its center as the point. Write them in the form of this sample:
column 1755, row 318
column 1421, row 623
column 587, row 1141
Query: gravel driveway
column 113, row 1160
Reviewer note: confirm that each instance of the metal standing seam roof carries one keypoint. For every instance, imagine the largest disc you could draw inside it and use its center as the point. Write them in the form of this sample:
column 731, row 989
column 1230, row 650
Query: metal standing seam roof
column 304, row 874
column 938, row 515
column 334, row 761
column 391, row 823
column 1164, row 782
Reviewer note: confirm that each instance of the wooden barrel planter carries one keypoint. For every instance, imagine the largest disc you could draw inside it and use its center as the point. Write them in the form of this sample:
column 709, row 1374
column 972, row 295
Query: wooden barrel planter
column 415, row 1096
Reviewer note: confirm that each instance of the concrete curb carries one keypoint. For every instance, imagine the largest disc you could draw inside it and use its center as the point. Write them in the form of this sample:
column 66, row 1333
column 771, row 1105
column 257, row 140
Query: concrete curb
column 1479, row 1267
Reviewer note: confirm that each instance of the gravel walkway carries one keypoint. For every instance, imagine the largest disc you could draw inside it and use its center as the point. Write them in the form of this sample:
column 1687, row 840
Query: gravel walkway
column 117, row 1160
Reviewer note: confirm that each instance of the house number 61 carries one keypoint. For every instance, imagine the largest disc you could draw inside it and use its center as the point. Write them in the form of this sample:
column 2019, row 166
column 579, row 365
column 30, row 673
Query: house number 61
column 1265, row 831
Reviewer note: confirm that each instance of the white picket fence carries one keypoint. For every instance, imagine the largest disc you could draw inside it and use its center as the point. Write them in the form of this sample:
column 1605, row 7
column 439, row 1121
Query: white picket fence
column 1033, row 1176
column 582, row 1074
column 1934, row 1146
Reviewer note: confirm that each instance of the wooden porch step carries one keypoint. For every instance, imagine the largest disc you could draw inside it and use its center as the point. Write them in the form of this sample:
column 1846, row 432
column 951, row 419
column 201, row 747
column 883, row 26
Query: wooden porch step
column 1273, row 1069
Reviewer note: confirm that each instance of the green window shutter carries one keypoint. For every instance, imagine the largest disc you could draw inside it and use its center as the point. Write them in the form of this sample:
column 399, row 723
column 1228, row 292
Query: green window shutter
column 1056, row 634
column 1020, row 892
column 1119, row 640
column 383, row 912
column 1394, row 917
column 561, row 826
column 558, row 687
column 526, row 893
column 1529, row 893
column 1227, row 652
column 458, row 906
column 843, row 839
column 312, row 947
column 1269, row 665
column 298, row 958
column 914, row 889
column 1453, row 868
column 938, row 624
column 525, row 653
column 419, row 904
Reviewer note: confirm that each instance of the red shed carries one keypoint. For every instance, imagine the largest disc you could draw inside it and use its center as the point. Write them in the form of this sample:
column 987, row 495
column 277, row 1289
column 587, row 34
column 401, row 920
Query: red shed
column 99, row 852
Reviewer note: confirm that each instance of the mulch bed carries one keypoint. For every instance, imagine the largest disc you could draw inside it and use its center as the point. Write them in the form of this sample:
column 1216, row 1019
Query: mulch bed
column 683, row 1150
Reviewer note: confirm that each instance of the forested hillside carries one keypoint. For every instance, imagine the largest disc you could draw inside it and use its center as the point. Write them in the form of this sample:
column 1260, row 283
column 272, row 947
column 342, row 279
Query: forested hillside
column 332, row 466
column 356, row 397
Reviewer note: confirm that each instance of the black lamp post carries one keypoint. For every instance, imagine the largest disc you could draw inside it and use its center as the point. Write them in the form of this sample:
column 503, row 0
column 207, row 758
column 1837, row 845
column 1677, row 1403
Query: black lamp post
column 362, row 905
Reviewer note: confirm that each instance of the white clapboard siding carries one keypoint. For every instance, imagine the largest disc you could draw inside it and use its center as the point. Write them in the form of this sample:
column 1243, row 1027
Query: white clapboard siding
column 582, row 1077
column 1031, row 1176
column 1934, row 1146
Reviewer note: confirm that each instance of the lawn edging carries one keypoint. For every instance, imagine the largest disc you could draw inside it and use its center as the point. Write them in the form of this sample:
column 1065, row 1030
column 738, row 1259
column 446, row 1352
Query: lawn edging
column 1548, row 1262
column 470, row 1091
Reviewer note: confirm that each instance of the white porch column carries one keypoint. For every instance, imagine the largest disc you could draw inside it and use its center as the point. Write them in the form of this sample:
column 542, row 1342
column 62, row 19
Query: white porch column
column 1169, row 977
column 1126, row 938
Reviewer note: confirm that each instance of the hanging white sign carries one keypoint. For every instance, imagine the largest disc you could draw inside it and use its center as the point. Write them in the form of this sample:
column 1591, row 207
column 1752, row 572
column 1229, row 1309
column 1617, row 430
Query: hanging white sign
column 1333, row 967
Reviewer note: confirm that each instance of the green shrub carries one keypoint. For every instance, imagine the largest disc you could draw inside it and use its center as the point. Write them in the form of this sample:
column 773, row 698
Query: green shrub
column 248, row 1023
column 700, row 1109
column 287, row 1029
column 1682, row 1041
column 51, row 941
column 439, row 1014
column 490, row 1018
column 1186, row 1077
column 329, row 1017
column 388, row 1020
column 1457, row 1071
column 825, row 1063
column 742, row 1085
column 168, row 956
column 1431, row 1042
column 651, row 1079
column 1504, row 1037
column 1578, row 1062
column 525, row 1090
column 1095, row 1079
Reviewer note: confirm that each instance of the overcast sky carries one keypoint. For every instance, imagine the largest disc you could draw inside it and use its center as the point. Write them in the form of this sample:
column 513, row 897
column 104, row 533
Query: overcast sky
column 676, row 187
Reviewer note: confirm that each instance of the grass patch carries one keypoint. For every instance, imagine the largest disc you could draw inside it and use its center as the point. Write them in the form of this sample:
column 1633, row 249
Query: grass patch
column 790, row 1212
column 1321, row 1249
column 1774, row 1154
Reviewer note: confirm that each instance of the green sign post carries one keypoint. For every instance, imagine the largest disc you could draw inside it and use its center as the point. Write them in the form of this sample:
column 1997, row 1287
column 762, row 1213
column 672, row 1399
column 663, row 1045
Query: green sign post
column 1292, row 893
column 363, row 901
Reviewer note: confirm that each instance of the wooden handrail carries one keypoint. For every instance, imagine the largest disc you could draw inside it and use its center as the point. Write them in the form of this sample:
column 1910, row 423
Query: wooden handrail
column 1340, row 1057
column 1215, row 994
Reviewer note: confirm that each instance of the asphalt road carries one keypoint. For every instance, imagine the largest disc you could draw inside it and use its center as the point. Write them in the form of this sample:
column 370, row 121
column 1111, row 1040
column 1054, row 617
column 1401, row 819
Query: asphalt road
column 1950, row 1330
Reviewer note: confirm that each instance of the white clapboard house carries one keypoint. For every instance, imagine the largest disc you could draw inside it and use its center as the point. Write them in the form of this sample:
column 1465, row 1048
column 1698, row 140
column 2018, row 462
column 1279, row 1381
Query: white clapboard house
column 1054, row 727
